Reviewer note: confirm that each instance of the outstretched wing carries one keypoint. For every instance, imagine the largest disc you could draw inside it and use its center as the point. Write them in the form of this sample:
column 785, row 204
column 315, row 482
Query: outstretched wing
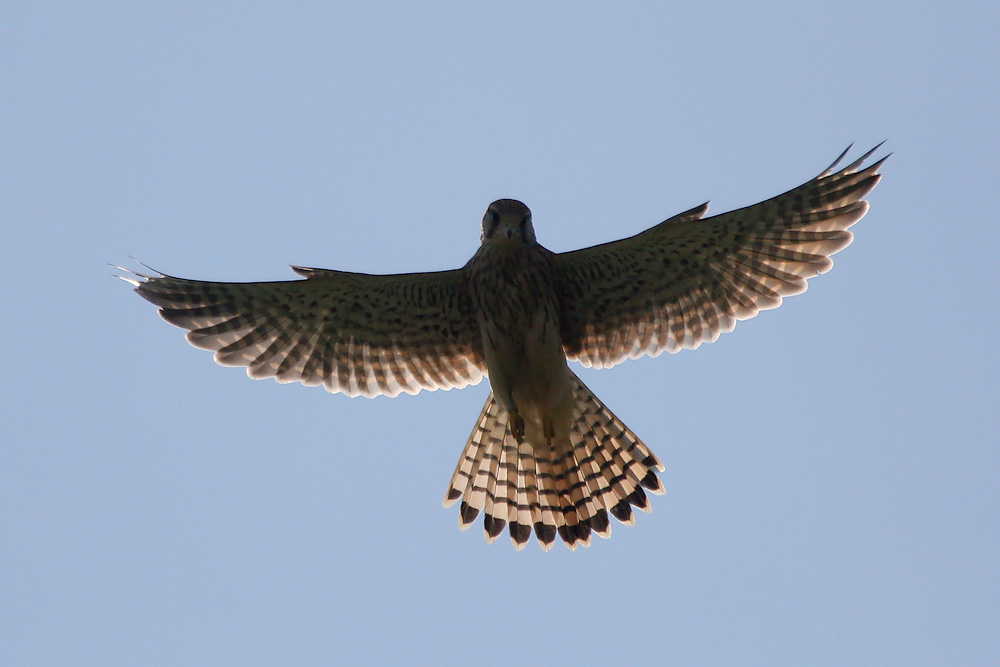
column 354, row 333
column 688, row 279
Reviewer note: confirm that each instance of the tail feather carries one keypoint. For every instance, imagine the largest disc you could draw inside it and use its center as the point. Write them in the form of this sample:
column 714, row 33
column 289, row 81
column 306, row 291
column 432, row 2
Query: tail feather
column 503, row 497
column 576, row 528
column 468, row 469
column 519, row 509
column 588, row 474
column 483, row 485
column 527, row 497
column 468, row 463
column 567, row 491
column 490, row 474
column 550, row 517
column 606, row 477
column 588, row 505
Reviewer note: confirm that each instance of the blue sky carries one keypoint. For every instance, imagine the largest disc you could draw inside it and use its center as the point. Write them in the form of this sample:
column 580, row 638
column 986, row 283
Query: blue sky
column 831, row 466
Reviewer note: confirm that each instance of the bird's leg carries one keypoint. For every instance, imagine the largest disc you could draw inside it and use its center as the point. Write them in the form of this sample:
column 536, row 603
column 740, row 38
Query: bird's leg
column 516, row 423
column 550, row 431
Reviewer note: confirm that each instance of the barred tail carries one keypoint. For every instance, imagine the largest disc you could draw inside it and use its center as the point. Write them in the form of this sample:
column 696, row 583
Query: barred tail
column 568, row 490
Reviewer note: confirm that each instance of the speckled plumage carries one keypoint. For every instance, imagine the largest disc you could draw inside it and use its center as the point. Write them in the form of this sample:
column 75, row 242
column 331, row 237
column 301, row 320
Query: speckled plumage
column 546, row 455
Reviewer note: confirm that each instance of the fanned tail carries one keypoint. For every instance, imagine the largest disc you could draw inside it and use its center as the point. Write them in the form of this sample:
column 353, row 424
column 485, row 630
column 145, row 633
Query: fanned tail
column 566, row 491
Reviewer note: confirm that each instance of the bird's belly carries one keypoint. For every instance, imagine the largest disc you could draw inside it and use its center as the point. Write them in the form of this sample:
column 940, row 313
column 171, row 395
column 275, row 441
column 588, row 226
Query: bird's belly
column 528, row 372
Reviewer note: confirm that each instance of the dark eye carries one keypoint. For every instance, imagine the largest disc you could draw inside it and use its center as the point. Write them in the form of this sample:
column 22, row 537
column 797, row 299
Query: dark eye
column 494, row 217
column 524, row 222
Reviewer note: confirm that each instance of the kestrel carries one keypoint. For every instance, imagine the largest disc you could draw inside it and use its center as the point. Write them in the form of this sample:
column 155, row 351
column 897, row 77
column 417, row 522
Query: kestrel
column 545, row 454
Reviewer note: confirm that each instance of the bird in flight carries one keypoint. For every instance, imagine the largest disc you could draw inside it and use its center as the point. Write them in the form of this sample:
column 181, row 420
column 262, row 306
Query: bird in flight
column 545, row 455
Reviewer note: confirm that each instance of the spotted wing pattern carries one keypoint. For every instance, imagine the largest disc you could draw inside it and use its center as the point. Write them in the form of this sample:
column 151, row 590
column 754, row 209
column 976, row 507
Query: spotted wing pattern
column 354, row 333
column 689, row 279
column 566, row 493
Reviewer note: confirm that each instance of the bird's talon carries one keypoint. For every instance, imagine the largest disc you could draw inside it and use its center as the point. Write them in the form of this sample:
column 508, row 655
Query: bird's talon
column 516, row 426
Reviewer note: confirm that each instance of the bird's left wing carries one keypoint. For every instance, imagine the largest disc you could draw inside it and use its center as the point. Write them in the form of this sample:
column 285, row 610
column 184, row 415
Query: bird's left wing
column 689, row 279
column 354, row 333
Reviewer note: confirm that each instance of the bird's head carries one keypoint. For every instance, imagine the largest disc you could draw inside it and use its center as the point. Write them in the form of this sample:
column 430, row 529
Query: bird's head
column 507, row 222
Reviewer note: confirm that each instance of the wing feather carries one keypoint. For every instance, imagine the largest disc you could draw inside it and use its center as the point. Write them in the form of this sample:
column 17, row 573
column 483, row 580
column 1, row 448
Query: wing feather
column 354, row 333
column 689, row 279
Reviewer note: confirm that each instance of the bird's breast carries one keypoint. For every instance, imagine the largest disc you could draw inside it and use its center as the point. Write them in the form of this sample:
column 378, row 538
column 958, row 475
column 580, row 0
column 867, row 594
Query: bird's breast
column 518, row 313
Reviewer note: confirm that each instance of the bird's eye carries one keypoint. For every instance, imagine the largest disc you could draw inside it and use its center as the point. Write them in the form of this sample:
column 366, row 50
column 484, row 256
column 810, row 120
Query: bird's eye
column 494, row 217
column 524, row 223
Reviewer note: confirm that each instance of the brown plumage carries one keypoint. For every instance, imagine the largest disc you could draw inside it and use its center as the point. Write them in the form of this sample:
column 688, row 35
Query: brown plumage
column 546, row 455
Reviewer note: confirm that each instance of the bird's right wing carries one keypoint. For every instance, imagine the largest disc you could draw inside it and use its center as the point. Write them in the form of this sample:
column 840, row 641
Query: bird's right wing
column 689, row 279
column 354, row 333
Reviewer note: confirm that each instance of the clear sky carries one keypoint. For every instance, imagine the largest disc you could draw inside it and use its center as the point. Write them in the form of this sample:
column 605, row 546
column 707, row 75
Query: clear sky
column 831, row 467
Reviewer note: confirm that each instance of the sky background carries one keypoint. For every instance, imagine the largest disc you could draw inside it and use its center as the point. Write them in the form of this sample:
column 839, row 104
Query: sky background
column 831, row 467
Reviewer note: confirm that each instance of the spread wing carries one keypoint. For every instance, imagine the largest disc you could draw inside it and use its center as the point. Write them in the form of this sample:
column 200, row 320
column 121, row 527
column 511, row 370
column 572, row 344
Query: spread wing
column 687, row 280
column 354, row 333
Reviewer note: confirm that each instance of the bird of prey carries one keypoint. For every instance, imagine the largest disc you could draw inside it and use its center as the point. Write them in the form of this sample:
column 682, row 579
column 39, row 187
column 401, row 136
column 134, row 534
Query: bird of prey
column 545, row 455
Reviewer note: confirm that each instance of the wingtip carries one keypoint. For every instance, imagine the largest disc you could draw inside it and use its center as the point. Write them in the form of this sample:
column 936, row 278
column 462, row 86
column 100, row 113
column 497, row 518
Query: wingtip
column 861, row 160
column 159, row 274
column 852, row 167
column 135, row 278
column 875, row 166
column 833, row 165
